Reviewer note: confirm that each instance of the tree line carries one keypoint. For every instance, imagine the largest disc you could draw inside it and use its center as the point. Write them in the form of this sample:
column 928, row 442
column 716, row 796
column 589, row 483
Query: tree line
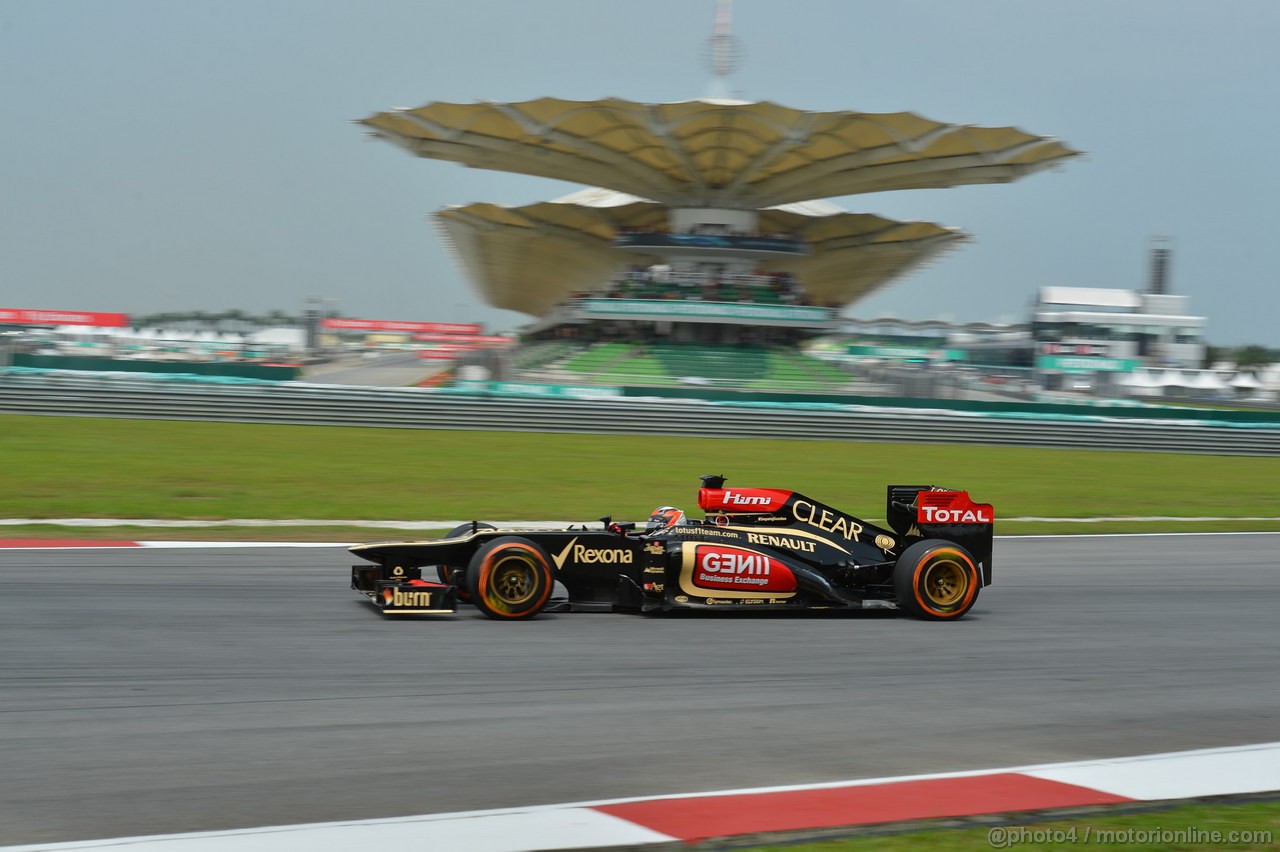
column 228, row 320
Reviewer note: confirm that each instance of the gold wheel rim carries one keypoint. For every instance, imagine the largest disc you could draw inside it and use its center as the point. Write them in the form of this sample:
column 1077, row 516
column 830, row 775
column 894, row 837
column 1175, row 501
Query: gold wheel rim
column 945, row 582
column 515, row 580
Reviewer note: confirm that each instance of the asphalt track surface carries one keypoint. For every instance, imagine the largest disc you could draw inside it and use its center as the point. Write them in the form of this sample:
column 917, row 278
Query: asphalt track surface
column 155, row 691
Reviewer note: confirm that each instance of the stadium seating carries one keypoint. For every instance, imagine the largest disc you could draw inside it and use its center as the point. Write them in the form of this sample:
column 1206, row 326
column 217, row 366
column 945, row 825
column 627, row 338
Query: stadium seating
column 534, row 356
column 722, row 366
column 788, row 369
column 597, row 358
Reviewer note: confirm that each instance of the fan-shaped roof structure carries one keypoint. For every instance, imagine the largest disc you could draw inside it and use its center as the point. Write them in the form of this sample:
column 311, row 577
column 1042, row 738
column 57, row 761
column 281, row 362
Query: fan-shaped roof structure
column 530, row 258
column 717, row 153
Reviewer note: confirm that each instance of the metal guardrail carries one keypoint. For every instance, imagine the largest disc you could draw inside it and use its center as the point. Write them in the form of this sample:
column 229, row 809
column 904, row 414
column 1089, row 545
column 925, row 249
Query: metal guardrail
column 414, row 408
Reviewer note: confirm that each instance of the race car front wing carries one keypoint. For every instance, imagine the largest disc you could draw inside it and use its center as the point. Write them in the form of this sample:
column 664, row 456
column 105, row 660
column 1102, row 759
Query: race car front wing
column 405, row 595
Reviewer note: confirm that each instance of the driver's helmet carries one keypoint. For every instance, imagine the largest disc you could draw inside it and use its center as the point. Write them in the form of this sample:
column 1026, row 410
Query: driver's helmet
column 663, row 517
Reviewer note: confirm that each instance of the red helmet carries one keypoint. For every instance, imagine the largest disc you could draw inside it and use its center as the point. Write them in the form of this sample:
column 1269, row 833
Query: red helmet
column 663, row 517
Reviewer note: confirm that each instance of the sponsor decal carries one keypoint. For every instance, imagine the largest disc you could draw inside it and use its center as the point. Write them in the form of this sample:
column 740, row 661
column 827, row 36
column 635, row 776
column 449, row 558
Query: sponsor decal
column 654, row 587
column 397, row 571
column 742, row 500
column 592, row 556
column 399, row 597
column 722, row 520
column 655, row 569
column 884, row 542
column 826, row 520
column 704, row 532
column 731, row 568
column 735, row 498
column 952, row 507
column 715, row 560
column 560, row 557
column 935, row 515
column 790, row 533
column 605, row 556
column 681, row 599
column 716, row 601
column 783, row 542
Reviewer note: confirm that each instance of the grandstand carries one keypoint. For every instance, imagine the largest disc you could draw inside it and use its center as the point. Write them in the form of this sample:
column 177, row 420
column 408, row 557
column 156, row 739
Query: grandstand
column 659, row 364
column 702, row 250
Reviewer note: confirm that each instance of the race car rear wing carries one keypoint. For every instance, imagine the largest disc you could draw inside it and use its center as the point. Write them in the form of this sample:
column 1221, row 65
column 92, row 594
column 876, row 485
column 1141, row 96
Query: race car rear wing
column 928, row 511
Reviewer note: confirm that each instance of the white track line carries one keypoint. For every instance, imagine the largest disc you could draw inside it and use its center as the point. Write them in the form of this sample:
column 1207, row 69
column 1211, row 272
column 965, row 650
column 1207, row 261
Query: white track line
column 210, row 545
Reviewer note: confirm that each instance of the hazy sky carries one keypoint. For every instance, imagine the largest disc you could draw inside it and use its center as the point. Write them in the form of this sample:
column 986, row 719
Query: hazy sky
column 191, row 154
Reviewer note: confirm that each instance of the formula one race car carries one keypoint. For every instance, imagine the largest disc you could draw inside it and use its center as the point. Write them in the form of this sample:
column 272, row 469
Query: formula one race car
column 758, row 548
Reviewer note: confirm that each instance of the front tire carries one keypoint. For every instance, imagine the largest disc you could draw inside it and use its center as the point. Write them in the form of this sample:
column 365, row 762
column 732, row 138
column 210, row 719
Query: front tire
column 510, row 578
column 936, row 580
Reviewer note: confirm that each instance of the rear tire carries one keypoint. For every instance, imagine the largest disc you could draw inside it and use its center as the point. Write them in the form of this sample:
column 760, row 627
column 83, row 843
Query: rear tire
column 936, row 580
column 510, row 578
column 444, row 572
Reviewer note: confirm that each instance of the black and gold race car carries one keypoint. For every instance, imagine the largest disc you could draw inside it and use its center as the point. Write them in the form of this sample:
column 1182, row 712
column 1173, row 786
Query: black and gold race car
column 757, row 548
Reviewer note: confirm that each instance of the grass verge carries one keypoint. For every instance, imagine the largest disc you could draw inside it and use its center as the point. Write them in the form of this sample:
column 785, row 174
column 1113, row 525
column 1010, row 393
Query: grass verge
column 59, row 467
column 1156, row 828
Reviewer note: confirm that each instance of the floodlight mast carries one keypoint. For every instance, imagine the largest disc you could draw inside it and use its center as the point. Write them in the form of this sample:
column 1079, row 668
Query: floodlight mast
column 722, row 53
column 721, row 33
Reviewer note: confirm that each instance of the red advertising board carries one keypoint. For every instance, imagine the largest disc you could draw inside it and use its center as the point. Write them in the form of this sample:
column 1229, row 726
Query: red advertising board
column 19, row 316
column 337, row 324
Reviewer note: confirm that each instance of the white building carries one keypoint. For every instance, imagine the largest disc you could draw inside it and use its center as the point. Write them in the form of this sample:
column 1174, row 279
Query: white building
column 1092, row 330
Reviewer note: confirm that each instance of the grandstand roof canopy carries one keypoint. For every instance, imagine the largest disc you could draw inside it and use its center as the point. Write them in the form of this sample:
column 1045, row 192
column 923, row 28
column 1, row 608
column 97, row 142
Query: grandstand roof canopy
column 717, row 153
column 530, row 258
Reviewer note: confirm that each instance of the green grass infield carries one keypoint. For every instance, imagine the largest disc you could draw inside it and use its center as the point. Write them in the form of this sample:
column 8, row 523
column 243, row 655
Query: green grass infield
column 1245, row 825
column 69, row 467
